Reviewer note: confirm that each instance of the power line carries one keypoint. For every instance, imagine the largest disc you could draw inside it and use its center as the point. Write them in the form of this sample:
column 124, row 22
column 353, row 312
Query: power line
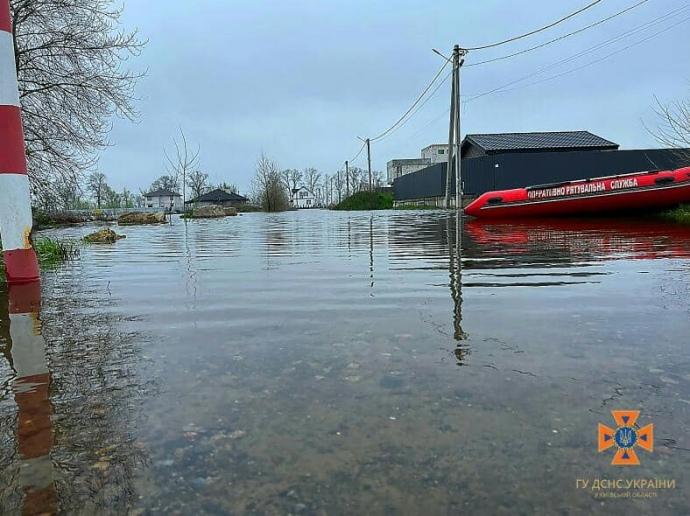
column 384, row 133
column 628, row 33
column 542, row 45
column 358, row 152
column 427, row 99
column 531, row 33
column 573, row 57
column 602, row 58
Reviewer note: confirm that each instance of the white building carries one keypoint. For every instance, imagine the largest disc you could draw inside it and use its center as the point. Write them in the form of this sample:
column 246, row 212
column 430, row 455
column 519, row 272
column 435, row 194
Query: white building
column 436, row 153
column 164, row 199
column 431, row 155
column 302, row 198
column 399, row 167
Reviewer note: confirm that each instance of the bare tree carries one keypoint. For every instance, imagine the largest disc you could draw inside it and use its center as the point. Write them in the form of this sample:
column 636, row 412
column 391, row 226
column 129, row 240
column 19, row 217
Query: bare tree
column 311, row 178
column 127, row 198
column 339, row 185
column 268, row 185
column 377, row 178
column 165, row 183
column 71, row 58
column 98, row 186
column 356, row 175
column 197, row 182
column 112, row 198
column 229, row 187
column 674, row 130
column 182, row 163
column 292, row 178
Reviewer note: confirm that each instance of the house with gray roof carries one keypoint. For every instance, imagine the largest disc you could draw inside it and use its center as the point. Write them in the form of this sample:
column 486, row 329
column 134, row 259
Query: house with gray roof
column 164, row 199
column 219, row 197
column 476, row 145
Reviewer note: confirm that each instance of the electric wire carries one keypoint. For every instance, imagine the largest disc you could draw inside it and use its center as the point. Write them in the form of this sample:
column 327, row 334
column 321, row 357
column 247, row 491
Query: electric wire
column 560, row 38
column 358, row 152
column 644, row 40
column 536, row 31
column 421, row 105
column 589, row 50
column 615, row 39
column 419, row 98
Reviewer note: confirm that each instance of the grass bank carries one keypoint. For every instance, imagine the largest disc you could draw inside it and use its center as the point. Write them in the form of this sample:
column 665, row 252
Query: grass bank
column 51, row 252
column 680, row 214
column 366, row 201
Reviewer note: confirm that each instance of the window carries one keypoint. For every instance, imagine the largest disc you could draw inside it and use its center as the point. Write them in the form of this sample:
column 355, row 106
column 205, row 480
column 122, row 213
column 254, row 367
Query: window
column 442, row 151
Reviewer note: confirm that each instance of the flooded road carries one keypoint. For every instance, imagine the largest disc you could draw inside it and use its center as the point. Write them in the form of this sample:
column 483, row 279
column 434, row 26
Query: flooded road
column 319, row 362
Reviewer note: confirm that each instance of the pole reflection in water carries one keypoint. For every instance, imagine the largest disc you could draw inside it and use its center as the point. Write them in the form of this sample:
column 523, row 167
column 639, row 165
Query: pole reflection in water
column 31, row 390
column 455, row 274
column 371, row 252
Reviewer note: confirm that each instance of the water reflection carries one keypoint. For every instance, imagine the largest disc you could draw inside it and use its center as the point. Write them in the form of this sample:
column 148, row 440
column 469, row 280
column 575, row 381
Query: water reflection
column 307, row 362
column 67, row 425
column 533, row 241
column 24, row 347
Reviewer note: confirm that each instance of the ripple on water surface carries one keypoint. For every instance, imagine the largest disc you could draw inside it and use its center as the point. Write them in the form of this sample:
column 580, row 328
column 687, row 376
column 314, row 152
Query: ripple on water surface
column 329, row 362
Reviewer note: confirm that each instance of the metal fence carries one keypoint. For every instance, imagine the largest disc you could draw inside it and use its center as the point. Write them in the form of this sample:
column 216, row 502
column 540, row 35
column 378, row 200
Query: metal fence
column 516, row 170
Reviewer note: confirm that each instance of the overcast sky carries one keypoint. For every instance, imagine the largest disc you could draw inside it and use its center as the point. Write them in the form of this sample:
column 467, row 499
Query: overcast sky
column 300, row 80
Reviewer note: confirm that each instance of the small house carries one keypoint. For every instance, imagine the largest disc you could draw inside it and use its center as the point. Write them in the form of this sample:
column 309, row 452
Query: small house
column 219, row 197
column 164, row 199
column 302, row 197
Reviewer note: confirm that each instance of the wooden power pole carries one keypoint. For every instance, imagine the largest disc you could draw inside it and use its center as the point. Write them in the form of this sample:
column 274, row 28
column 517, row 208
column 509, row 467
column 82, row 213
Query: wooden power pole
column 451, row 137
column 454, row 142
column 369, row 161
column 367, row 141
column 347, row 178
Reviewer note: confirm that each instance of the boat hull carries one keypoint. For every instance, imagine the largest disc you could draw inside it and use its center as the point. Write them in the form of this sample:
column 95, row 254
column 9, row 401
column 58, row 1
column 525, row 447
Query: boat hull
column 630, row 192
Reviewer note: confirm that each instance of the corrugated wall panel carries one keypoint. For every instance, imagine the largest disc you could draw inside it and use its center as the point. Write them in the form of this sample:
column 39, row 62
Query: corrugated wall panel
column 516, row 170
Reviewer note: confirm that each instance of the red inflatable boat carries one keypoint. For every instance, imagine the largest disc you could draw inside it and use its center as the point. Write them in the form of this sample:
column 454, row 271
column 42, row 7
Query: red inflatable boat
column 629, row 192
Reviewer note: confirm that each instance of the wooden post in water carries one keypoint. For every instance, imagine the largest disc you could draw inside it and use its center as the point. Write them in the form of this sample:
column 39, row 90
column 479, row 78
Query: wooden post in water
column 21, row 264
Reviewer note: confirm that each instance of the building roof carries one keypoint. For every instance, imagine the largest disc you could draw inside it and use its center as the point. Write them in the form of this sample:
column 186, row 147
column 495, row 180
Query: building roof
column 409, row 161
column 295, row 190
column 162, row 192
column 542, row 141
column 219, row 195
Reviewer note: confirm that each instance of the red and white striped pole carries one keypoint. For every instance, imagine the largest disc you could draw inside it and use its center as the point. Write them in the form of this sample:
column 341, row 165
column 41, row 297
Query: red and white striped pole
column 31, row 386
column 21, row 265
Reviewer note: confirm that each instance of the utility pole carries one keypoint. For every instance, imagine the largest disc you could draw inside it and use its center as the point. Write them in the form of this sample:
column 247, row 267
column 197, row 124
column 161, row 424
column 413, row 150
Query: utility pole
column 347, row 177
column 451, row 136
column 458, row 61
column 368, row 142
column 339, row 186
column 454, row 142
column 369, row 161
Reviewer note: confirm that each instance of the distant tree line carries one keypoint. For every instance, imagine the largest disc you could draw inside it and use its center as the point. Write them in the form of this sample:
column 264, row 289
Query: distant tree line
column 273, row 188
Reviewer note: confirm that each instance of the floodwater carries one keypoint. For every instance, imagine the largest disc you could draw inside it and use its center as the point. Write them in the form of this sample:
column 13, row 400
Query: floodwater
column 319, row 362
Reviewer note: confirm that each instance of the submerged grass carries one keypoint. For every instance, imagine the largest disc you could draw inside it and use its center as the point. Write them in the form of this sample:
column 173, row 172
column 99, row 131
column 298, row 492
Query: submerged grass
column 680, row 214
column 51, row 252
